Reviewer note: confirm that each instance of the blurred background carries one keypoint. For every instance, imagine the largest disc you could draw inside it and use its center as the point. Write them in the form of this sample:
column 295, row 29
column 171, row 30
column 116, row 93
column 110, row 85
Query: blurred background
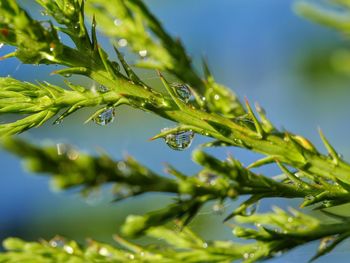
column 261, row 49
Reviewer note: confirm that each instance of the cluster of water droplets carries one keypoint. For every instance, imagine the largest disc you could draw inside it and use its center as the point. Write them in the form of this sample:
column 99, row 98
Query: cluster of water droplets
column 179, row 140
column 60, row 242
column 105, row 117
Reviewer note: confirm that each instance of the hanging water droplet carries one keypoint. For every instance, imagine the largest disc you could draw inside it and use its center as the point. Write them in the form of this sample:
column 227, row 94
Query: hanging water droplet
column 179, row 140
column 117, row 22
column 1, row 45
column 143, row 53
column 122, row 42
column 251, row 209
column 183, row 91
column 67, row 75
column 326, row 242
column 105, row 117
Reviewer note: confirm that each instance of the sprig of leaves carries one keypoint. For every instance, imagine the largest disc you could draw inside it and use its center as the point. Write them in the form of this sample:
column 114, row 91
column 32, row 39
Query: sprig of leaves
column 215, row 111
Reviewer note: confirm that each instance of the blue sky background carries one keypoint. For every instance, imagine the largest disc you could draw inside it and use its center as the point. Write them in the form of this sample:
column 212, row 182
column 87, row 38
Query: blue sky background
column 261, row 49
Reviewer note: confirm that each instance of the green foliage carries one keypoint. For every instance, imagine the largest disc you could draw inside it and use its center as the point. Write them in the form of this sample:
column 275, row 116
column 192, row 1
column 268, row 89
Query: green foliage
column 319, row 180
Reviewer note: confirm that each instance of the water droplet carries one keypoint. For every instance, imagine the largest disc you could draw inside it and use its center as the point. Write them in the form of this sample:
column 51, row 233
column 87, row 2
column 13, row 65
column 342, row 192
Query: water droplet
column 58, row 121
column 290, row 219
column 105, row 117
column 179, row 140
column 203, row 98
column 1, row 45
column 326, row 242
column 61, row 148
column 67, row 75
column 117, row 22
column 72, row 154
column 68, row 249
column 143, row 53
column 46, row 25
column 216, row 97
column 57, row 242
column 104, row 252
column 218, row 208
column 102, row 89
column 52, row 47
column 205, row 245
column 122, row 42
column 246, row 255
column 208, row 178
column 309, row 197
column 131, row 256
column 251, row 209
column 183, row 91
column 277, row 254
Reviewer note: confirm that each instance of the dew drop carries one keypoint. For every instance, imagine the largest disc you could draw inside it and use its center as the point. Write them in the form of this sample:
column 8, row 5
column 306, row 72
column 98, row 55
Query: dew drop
column 68, row 249
column 1, row 45
column 104, row 252
column 309, row 197
column 246, row 255
column 131, row 256
column 179, row 140
column 57, row 242
column 105, row 117
column 216, row 97
column 205, row 245
column 122, row 42
column 52, row 47
column 61, row 148
column 183, row 91
column 44, row 12
column 143, row 53
column 326, row 242
column 251, row 209
column 117, row 22
column 102, row 89
column 67, row 75
column 208, row 178
column 277, row 254
column 58, row 121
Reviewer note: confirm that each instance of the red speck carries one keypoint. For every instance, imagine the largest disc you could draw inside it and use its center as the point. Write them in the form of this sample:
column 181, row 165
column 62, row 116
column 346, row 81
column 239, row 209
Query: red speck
column 4, row 32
